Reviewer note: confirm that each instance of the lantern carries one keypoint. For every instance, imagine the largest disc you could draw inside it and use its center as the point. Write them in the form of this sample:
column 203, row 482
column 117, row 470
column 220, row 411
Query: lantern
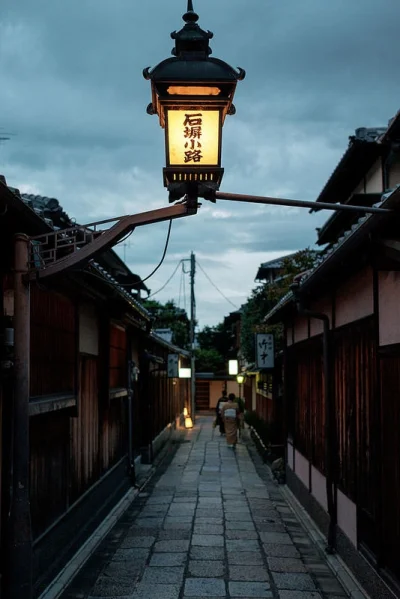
column 192, row 94
column 233, row 367
column 240, row 379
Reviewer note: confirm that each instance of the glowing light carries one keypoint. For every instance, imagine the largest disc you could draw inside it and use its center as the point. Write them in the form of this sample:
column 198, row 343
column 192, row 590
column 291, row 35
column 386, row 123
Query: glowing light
column 185, row 412
column 193, row 137
column 188, row 422
column 233, row 367
column 240, row 379
column 180, row 90
column 185, row 373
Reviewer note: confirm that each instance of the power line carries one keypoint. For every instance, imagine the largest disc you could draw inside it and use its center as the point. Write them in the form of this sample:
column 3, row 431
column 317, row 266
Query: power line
column 170, row 279
column 215, row 286
column 158, row 265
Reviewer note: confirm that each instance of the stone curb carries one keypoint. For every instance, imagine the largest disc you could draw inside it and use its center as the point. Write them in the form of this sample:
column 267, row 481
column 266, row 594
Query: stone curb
column 335, row 562
column 71, row 569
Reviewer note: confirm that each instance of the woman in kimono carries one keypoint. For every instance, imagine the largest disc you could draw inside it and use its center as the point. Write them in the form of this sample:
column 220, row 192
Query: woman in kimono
column 230, row 412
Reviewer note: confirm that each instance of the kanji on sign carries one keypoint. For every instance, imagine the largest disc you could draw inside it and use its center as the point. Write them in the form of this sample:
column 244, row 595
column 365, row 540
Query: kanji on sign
column 265, row 350
column 193, row 155
column 193, row 120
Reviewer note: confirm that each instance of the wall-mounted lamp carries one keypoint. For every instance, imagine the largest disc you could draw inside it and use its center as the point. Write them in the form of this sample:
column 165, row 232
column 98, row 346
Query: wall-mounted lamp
column 233, row 367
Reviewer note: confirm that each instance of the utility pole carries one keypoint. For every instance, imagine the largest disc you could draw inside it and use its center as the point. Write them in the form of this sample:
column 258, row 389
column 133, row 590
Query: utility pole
column 192, row 336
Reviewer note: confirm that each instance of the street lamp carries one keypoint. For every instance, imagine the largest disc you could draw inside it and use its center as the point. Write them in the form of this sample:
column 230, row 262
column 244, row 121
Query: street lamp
column 240, row 380
column 192, row 94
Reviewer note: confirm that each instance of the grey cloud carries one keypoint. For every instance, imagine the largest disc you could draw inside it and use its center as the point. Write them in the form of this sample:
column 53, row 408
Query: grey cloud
column 72, row 90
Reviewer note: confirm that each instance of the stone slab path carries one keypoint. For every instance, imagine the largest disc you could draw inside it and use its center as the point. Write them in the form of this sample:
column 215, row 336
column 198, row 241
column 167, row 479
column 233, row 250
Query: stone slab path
column 209, row 525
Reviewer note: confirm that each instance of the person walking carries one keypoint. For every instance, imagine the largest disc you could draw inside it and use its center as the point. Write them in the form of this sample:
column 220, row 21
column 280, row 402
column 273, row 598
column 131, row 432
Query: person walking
column 219, row 420
column 230, row 412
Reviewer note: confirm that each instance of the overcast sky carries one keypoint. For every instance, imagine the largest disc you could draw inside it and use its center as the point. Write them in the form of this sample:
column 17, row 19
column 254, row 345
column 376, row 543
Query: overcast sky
column 72, row 92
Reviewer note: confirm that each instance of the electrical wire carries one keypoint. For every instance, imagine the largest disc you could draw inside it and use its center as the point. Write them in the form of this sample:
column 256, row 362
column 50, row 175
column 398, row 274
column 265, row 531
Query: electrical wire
column 170, row 279
column 158, row 265
column 215, row 286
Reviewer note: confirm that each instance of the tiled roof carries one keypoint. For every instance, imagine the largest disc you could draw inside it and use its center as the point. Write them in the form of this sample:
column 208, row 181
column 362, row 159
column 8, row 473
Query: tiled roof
column 388, row 200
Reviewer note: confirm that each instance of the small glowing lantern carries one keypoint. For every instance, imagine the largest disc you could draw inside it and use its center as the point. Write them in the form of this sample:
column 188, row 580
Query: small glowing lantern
column 233, row 367
column 240, row 379
column 192, row 94
column 185, row 412
column 188, row 422
column 185, row 373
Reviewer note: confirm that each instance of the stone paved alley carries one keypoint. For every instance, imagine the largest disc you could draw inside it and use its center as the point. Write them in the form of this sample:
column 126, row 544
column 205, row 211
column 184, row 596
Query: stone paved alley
column 211, row 523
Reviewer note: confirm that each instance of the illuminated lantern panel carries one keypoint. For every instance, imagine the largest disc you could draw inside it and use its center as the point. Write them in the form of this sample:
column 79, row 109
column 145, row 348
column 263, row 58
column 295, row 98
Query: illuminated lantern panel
column 185, row 373
column 233, row 367
column 193, row 137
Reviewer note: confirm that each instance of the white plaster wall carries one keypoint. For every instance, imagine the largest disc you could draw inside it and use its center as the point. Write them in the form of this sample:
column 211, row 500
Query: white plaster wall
column 373, row 179
column 88, row 330
column 318, row 487
column 289, row 333
column 389, row 308
column 290, row 455
column 347, row 517
column 300, row 329
column 354, row 298
column 301, row 468
column 394, row 174
column 323, row 305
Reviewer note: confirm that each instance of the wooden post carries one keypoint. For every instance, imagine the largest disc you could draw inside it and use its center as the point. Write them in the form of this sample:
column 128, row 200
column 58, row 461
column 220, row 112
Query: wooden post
column 19, row 530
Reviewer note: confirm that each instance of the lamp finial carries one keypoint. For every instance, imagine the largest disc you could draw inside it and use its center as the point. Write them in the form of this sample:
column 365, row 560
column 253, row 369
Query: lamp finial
column 190, row 16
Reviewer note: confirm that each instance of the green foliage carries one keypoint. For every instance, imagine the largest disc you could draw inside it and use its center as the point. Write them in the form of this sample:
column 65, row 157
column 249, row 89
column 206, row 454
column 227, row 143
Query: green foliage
column 215, row 348
column 264, row 297
column 209, row 360
column 266, row 431
column 169, row 316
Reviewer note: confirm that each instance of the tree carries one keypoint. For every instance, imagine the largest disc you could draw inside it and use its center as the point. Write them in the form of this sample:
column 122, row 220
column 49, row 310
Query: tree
column 263, row 298
column 169, row 316
column 215, row 348
column 209, row 360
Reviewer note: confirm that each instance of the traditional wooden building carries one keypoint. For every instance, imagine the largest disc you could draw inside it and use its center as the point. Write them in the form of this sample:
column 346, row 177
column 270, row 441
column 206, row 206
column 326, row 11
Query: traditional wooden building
column 99, row 393
column 342, row 367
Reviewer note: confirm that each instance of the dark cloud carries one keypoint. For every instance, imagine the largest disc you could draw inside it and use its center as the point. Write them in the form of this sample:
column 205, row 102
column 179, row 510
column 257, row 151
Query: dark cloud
column 72, row 91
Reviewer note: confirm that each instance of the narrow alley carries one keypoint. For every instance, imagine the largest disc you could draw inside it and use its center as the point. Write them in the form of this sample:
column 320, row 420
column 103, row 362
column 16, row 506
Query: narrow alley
column 210, row 523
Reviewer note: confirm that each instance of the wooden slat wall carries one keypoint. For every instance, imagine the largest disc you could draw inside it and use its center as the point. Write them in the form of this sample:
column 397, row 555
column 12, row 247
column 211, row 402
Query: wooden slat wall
column 305, row 371
column 53, row 349
column 118, row 357
column 85, row 467
column 49, row 446
column 356, row 400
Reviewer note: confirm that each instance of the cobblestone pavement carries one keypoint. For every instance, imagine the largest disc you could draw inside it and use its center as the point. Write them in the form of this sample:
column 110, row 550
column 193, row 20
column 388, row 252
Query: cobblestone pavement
column 213, row 524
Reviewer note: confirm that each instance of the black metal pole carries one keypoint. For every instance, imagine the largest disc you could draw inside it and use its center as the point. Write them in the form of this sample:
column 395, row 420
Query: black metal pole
column 19, row 529
column 234, row 197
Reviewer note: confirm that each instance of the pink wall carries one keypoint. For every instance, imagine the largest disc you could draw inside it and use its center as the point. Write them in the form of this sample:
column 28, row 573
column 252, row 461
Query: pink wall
column 300, row 328
column 323, row 305
column 347, row 510
column 318, row 487
column 347, row 517
column 389, row 308
column 301, row 468
column 290, row 456
column 354, row 299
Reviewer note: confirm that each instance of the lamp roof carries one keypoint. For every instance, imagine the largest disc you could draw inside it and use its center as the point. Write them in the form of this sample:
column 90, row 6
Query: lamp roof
column 191, row 57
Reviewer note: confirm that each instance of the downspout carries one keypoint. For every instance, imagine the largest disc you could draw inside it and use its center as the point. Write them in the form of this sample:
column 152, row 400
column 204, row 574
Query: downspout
column 330, row 416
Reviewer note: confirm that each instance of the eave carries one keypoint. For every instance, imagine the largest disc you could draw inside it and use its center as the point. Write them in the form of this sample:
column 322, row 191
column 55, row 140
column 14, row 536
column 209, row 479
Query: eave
column 335, row 257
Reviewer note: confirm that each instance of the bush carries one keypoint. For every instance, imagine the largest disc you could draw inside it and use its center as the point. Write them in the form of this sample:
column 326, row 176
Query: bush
column 266, row 431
